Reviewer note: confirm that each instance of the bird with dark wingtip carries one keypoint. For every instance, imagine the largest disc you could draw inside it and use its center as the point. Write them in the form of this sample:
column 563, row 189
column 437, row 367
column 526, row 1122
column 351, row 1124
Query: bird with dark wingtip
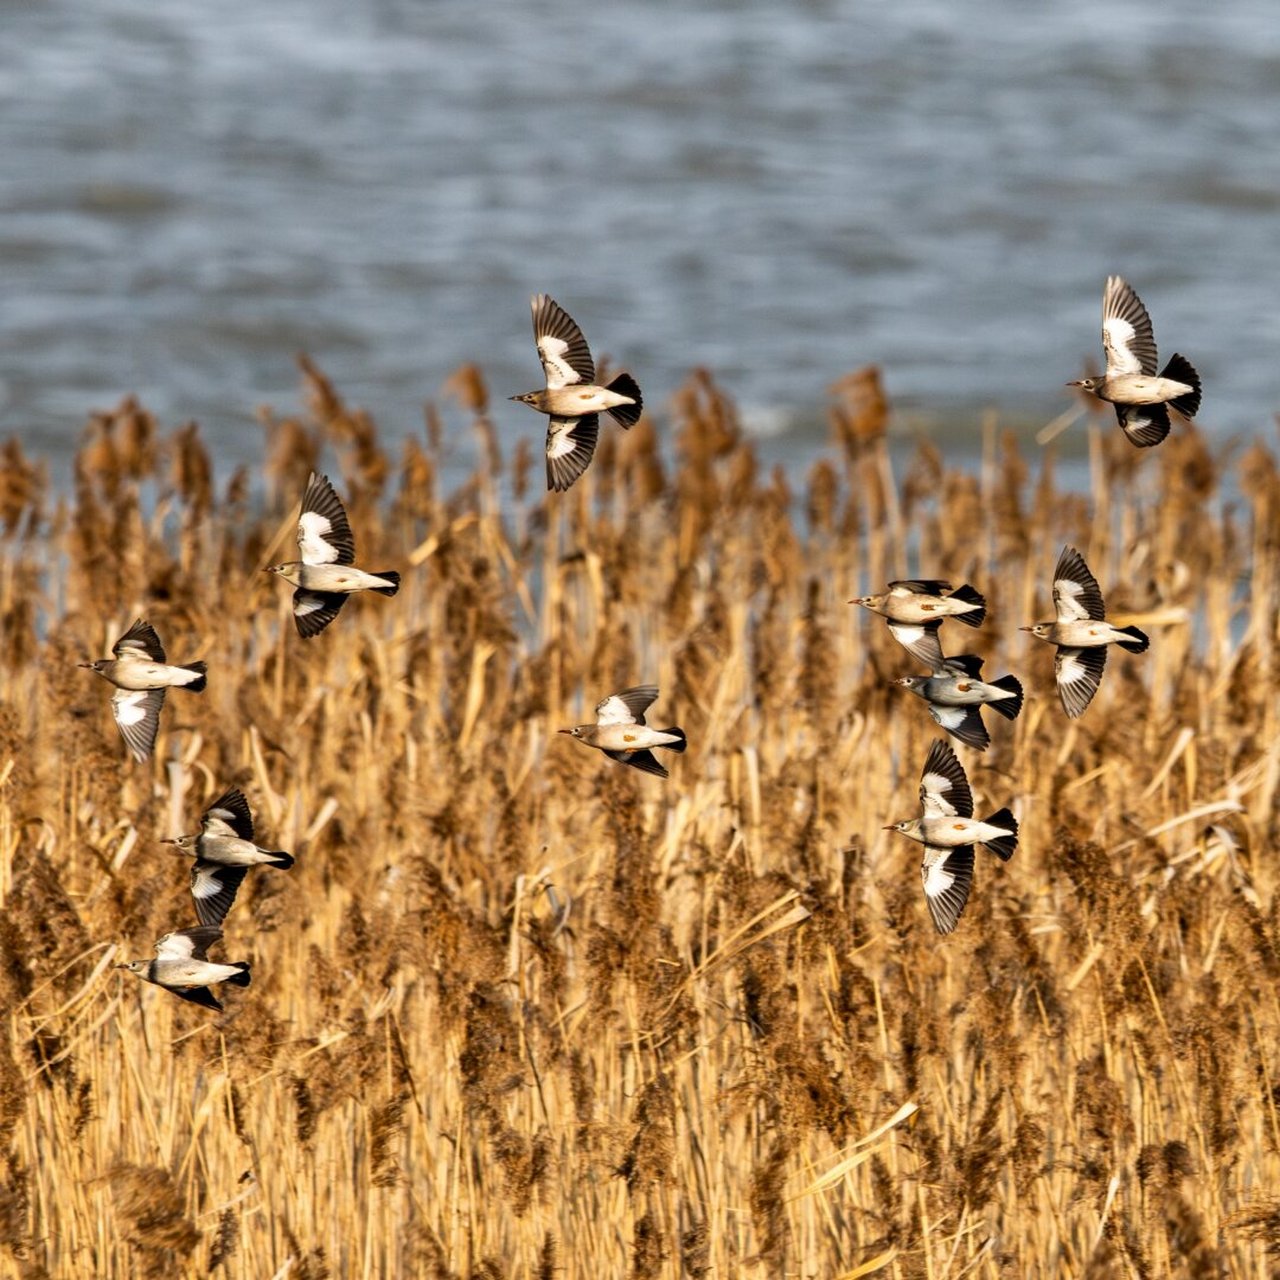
column 1142, row 398
column 141, row 676
column 1081, row 632
column 571, row 399
column 182, row 966
column 915, row 608
column 948, row 831
column 224, row 850
column 621, row 733
column 326, row 575
column 954, row 693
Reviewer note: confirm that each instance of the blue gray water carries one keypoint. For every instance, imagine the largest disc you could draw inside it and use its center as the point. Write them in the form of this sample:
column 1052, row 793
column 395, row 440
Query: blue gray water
column 191, row 193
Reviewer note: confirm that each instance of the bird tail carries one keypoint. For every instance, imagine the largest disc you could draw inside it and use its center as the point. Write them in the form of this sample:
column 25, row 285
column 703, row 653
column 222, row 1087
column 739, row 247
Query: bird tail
column 197, row 685
column 1180, row 369
column 1138, row 643
column 240, row 979
column 676, row 733
column 393, row 578
column 969, row 596
column 1003, row 846
column 1008, row 707
column 626, row 415
column 282, row 860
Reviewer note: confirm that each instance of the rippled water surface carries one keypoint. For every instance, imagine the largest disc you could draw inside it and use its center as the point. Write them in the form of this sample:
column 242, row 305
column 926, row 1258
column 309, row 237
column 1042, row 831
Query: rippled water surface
column 191, row 193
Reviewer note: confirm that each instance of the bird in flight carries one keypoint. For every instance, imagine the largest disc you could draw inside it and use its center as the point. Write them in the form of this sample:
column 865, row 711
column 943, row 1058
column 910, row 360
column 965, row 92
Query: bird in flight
column 1142, row 398
column 948, row 830
column 571, row 399
column 183, row 967
column 326, row 575
column 141, row 676
column 1081, row 632
column 224, row 850
column 915, row 608
column 621, row 733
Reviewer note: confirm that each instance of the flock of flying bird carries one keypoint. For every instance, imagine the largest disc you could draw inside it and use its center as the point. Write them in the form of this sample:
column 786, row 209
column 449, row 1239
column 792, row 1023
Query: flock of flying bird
column 224, row 850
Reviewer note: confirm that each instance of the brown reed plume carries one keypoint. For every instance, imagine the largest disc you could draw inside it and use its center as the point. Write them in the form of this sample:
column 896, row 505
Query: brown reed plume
column 519, row 1013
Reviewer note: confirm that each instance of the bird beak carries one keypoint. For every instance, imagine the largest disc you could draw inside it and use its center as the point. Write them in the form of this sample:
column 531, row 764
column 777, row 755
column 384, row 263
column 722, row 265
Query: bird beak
column 1076, row 383
column 900, row 680
column 564, row 730
column 1026, row 628
column 88, row 666
column 167, row 840
column 890, row 827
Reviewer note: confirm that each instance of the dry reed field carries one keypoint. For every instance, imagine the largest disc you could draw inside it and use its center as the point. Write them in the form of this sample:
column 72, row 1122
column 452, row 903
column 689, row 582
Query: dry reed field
column 519, row 1012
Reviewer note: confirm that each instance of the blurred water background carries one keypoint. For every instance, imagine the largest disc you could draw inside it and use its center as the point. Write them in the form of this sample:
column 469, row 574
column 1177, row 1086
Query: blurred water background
column 192, row 193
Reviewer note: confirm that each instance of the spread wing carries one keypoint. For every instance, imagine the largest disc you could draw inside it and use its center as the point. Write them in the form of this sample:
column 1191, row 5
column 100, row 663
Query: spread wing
column 214, row 888
column 627, row 707
column 137, row 716
column 324, row 533
column 642, row 760
column 140, row 641
column 571, row 442
column 187, row 944
column 964, row 723
column 566, row 358
column 944, row 788
column 965, row 664
column 1144, row 425
column 228, row 815
column 947, row 875
column 314, row 610
column 1126, row 330
column 196, row 995
column 920, row 586
column 1076, row 595
column 920, row 640
column 1078, row 672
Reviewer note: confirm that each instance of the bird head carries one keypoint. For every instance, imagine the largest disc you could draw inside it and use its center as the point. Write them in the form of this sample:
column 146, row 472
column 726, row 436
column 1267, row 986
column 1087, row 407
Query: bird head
column 1088, row 384
column 575, row 732
column 868, row 602
column 94, row 666
column 1040, row 629
column 910, row 682
column 908, row 826
column 134, row 966
column 529, row 397
column 185, row 844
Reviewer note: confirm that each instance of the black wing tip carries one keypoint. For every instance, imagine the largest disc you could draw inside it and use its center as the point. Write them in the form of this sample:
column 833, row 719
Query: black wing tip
column 393, row 578
column 1008, row 707
column 1138, row 641
column 970, row 595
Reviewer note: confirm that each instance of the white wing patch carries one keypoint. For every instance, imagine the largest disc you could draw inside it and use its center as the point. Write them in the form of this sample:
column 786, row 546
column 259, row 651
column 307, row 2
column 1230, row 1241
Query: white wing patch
column 937, row 879
column 559, row 442
column 1067, row 595
column 175, row 946
column 614, row 711
column 558, row 371
column 312, row 527
column 1117, row 342
column 933, row 799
